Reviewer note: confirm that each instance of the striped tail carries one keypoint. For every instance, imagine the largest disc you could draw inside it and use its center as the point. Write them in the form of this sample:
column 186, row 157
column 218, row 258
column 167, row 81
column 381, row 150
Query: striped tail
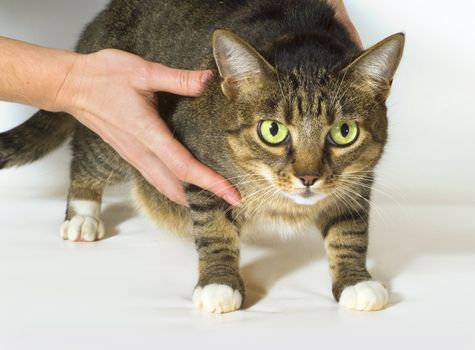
column 35, row 138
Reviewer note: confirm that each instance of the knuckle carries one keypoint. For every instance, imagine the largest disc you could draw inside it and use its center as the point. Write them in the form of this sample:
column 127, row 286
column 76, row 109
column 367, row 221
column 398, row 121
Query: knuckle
column 143, row 72
column 185, row 80
column 182, row 171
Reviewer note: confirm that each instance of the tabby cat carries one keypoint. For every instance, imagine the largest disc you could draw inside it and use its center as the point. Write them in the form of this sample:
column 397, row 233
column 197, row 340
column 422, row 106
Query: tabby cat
column 296, row 119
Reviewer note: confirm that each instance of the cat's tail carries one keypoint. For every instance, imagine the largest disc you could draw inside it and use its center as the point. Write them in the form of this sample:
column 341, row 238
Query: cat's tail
column 35, row 138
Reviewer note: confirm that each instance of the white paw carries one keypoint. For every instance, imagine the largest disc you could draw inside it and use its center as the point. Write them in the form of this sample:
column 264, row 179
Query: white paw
column 217, row 298
column 364, row 296
column 82, row 228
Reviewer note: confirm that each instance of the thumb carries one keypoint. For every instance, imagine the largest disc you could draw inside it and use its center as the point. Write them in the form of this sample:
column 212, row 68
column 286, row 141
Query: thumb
column 177, row 81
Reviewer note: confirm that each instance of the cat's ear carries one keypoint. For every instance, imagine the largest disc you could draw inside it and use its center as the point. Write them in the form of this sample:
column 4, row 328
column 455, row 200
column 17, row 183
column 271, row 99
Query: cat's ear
column 378, row 64
column 243, row 70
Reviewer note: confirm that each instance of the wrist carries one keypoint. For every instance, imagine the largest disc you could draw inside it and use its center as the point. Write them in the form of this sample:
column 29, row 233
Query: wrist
column 34, row 75
column 66, row 92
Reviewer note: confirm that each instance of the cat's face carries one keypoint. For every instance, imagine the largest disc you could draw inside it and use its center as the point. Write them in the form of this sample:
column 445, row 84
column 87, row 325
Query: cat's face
column 307, row 134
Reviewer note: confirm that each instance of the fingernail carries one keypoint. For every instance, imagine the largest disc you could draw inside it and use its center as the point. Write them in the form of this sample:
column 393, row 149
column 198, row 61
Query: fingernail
column 232, row 199
column 205, row 77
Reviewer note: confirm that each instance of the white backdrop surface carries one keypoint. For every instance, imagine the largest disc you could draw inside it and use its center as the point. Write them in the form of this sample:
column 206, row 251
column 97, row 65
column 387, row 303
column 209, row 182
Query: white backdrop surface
column 134, row 289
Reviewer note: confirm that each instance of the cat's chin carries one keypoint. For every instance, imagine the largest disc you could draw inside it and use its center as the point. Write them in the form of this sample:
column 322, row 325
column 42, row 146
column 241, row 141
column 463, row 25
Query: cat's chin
column 306, row 198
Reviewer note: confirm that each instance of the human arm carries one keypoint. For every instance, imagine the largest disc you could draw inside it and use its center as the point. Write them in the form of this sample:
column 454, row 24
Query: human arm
column 342, row 15
column 112, row 93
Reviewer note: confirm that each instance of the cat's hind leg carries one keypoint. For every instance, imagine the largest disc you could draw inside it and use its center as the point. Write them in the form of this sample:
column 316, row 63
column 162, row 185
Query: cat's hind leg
column 83, row 222
column 94, row 166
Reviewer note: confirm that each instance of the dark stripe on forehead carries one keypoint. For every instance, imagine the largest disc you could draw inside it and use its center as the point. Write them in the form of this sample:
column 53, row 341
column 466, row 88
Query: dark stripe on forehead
column 319, row 105
column 322, row 100
column 297, row 107
column 294, row 82
column 289, row 114
column 330, row 115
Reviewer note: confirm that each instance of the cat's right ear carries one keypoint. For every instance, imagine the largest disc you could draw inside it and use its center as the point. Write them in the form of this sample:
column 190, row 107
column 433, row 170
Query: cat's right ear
column 243, row 70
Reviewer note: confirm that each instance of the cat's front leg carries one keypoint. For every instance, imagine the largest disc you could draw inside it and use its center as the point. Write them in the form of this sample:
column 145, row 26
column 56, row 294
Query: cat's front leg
column 220, row 288
column 346, row 242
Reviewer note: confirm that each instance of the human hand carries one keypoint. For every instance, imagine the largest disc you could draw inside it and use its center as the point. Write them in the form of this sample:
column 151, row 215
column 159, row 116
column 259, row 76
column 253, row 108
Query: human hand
column 112, row 93
column 343, row 16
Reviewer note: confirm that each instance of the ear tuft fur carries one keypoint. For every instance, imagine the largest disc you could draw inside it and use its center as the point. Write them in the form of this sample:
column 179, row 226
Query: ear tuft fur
column 242, row 68
column 380, row 62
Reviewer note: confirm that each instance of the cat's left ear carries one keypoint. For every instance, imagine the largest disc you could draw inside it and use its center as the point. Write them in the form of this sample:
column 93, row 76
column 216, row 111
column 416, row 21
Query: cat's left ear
column 378, row 64
column 243, row 69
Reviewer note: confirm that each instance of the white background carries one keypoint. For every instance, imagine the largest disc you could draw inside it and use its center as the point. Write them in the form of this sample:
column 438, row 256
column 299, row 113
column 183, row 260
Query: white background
column 139, row 282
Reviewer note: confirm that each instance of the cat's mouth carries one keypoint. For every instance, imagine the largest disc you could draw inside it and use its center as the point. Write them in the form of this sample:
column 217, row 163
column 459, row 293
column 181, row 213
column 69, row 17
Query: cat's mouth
column 307, row 193
column 306, row 197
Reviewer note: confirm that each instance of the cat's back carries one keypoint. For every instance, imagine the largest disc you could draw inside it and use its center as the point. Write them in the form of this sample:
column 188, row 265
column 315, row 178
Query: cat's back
column 178, row 32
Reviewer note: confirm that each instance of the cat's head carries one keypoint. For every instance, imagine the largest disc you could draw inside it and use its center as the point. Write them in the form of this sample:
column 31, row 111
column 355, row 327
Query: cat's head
column 307, row 132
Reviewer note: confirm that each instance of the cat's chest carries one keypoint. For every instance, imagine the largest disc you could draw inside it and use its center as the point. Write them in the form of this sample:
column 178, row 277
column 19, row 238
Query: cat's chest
column 272, row 226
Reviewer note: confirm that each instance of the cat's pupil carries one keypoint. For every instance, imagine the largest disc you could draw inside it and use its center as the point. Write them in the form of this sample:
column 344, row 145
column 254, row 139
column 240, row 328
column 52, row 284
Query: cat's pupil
column 274, row 128
column 345, row 130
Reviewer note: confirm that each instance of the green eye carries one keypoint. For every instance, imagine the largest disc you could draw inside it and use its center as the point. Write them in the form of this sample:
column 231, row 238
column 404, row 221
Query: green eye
column 344, row 133
column 272, row 132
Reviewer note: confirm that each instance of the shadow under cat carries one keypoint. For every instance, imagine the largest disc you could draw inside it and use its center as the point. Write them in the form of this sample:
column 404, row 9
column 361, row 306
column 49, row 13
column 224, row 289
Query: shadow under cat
column 420, row 232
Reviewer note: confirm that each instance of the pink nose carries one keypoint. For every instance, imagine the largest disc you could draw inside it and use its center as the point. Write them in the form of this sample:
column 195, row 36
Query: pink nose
column 308, row 180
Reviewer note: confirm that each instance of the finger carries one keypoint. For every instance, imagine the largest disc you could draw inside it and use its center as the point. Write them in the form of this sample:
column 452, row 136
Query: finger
column 354, row 34
column 202, row 176
column 176, row 81
column 151, row 167
column 343, row 16
column 187, row 168
column 160, row 177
